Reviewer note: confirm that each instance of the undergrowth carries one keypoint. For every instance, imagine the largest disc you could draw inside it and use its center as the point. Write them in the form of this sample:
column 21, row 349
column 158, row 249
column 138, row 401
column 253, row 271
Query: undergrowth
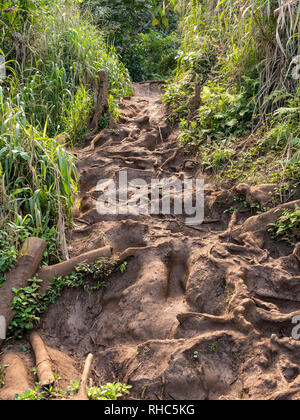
column 143, row 33
column 287, row 227
column 29, row 304
column 2, row 375
column 247, row 125
column 51, row 53
column 110, row 391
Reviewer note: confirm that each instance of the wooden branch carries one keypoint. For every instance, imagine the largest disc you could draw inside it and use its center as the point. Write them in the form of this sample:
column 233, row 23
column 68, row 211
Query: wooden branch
column 101, row 87
column 82, row 395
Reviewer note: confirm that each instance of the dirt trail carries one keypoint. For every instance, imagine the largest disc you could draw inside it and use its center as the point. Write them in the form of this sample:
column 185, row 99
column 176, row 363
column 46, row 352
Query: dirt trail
column 201, row 312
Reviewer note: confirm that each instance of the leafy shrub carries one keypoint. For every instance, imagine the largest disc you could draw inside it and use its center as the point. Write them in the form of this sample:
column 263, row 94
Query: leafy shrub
column 217, row 157
column 222, row 114
column 287, row 228
column 176, row 96
column 152, row 56
column 110, row 391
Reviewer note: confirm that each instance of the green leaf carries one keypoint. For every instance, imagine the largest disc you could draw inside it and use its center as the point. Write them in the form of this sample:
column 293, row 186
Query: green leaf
column 165, row 21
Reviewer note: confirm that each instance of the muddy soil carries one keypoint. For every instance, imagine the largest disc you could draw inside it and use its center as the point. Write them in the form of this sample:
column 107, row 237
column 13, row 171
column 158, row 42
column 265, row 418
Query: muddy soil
column 202, row 312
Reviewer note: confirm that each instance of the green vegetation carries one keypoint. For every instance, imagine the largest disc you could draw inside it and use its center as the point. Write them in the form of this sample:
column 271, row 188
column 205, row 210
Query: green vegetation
column 287, row 227
column 243, row 56
column 29, row 304
column 151, row 56
column 143, row 32
column 38, row 393
column 2, row 374
column 52, row 54
column 213, row 347
column 110, row 391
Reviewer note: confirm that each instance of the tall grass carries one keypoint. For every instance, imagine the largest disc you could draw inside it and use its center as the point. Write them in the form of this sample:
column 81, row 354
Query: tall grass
column 63, row 54
column 245, row 36
column 45, row 98
column 246, row 50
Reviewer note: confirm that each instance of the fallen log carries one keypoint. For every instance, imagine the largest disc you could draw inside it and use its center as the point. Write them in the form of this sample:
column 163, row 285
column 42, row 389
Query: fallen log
column 29, row 260
column 82, row 395
column 42, row 360
column 48, row 274
column 16, row 379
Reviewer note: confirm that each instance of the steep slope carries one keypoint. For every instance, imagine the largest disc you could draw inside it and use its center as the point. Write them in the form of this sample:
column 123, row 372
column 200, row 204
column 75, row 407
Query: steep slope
column 202, row 312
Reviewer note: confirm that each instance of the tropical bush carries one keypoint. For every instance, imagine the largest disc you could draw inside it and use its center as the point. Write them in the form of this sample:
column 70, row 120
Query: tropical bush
column 142, row 32
column 287, row 228
column 245, row 56
column 52, row 54
column 151, row 56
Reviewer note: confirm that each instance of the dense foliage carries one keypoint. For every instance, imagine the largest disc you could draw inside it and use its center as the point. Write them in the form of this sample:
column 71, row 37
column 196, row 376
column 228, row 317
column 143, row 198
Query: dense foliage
column 51, row 56
column 244, row 55
column 143, row 33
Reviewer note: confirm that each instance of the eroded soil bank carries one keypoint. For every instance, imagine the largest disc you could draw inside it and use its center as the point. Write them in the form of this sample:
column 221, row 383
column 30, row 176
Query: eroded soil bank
column 202, row 312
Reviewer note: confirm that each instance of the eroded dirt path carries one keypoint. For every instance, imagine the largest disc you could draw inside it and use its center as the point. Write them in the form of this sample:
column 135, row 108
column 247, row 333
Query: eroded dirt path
column 201, row 312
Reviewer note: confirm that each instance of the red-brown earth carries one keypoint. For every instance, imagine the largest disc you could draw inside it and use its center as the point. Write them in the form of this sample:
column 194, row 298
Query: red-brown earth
column 201, row 312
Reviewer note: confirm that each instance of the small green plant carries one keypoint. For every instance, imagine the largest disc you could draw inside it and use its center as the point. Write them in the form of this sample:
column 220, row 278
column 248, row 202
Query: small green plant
column 2, row 375
column 217, row 157
column 213, row 347
column 223, row 113
column 230, row 210
column 73, row 388
column 287, row 228
column 123, row 267
column 39, row 393
column 110, row 391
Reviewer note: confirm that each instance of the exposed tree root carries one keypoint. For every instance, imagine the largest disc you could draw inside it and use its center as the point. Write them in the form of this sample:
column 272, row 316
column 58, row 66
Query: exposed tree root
column 16, row 379
column 29, row 260
column 63, row 269
column 82, row 396
column 42, row 360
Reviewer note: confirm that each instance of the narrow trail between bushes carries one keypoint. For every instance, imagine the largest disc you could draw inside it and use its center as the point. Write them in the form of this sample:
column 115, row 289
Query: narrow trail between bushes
column 201, row 312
